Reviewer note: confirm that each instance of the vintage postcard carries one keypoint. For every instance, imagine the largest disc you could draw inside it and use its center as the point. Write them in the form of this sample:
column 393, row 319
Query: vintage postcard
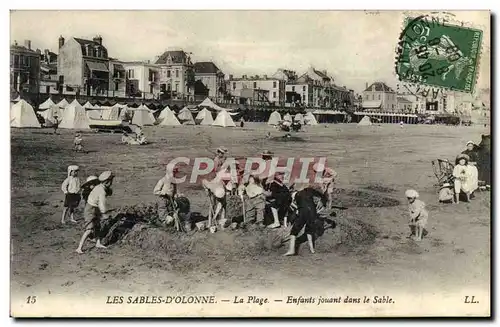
column 250, row 163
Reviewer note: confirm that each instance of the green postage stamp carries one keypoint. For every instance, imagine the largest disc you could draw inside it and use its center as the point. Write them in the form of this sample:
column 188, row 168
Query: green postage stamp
column 435, row 53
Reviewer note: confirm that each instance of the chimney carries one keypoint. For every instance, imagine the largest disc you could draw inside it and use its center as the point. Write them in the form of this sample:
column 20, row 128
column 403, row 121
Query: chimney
column 61, row 41
column 27, row 44
column 97, row 39
column 15, row 42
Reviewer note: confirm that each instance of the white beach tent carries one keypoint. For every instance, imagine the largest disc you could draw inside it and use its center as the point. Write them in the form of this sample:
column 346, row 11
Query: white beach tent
column 274, row 119
column 63, row 103
column 143, row 116
column 365, row 121
column 204, row 117
column 309, row 119
column 88, row 105
column 112, row 113
column 287, row 117
column 185, row 116
column 224, row 120
column 210, row 104
column 164, row 112
column 22, row 114
column 75, row 117
column 167, row 118
column 46, row 104
column 299, row 118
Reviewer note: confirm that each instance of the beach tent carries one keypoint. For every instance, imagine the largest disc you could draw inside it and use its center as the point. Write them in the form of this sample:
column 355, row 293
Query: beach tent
column 75, row 117
column 365, row 121
column 46, row 104
column 274, row 119
column 23, row 115
column 185, row 117
column 63, row 103
column 204, row 117
column 88, row 105
column 167, row 118
column 164, row 113
column 94, row 113
column 309, row 119
column 224, row 120
column 143, row 116
column 210, row 104
column 299, row 118
column 287, row 117
column 112, row 113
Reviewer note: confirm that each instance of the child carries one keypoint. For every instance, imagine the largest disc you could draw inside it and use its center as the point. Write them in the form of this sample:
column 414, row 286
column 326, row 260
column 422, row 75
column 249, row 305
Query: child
column 303, row 201
column 166, row 190
column 71, row 190
column 418, row 215
column 220, row 158
column 463, row 178
column 88, row 186
column 55, row 125
column 328, row 176
column 95, row 209
column 78, row 147
column 256, row 201
column 446, row 193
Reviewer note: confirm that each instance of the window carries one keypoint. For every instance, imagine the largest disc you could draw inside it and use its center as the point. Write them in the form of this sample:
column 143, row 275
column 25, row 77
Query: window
column 168, row 73
column 176, row 73
column 151, row 88
column 379, row 96
column 393, row 106
column 304, row 88
column 293, row 88
column 373, row 96
column 116, row 86
column 130, row 73
column 274, row 85
column 254, row 85
column 274, row 94
column 21, row 60
column 176, row 87
column 234, row 86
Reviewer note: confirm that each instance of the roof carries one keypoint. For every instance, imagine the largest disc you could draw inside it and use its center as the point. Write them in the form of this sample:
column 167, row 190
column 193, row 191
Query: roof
column 206, row 67
column 20, row 48
column 403, row 100
column 178, row 57
column 321, row 74
column 379, row 87
column 84, row 42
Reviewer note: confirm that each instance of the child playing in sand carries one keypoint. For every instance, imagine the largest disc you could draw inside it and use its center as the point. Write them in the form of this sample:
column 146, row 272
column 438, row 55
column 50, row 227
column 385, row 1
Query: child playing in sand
column 71, row 190
column 95, row 209
column 418, row 215
column 78, row 146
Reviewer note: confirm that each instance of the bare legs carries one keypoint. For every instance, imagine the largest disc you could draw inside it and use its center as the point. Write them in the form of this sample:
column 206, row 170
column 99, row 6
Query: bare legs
column 293, row 239
column 71, row 215
column 276, row 223
column 85, row 235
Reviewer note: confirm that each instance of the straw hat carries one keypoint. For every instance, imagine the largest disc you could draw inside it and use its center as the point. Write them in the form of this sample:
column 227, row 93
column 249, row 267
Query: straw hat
column 319, row 167
column 72, row 168
column 90, row 180
column 411, row 194
column 470, row 142
column 221, row 149
column 107, row 175
column 445, row 185
column 266, row 153
column 463, row 156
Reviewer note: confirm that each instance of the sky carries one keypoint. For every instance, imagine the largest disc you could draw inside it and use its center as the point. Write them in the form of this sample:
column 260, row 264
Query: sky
column 355, row 47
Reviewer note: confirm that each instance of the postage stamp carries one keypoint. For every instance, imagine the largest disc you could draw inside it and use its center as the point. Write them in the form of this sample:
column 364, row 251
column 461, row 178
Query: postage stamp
column 200, row 167
column 435, row 53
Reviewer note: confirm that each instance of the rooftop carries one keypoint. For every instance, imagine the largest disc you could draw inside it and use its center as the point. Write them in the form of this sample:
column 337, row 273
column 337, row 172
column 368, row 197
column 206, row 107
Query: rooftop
column 379, row 87
column 206, row 67
column 177, row 56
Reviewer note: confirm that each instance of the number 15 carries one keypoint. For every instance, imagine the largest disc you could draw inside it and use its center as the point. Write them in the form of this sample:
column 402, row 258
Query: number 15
column 31, row 299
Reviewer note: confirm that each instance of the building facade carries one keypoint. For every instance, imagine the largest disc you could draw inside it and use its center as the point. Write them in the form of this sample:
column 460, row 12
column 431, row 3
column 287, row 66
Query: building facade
column 83, row 66
column 24, row 68
column 48, row 73
column 143, row 79
column 177, row 77
column 379, row 96
column 212, row 78
column 316, row 89
column 272, row 88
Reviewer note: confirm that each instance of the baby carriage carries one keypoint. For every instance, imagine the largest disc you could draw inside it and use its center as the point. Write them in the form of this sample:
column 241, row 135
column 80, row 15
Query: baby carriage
column 443, row 170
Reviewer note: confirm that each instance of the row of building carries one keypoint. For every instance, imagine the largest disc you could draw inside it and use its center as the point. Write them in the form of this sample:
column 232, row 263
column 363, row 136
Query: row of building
column 83, row 66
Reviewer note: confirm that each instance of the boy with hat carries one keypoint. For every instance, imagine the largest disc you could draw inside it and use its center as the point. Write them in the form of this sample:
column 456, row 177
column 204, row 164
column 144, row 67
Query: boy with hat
column 71, row 190
column 220, row 158
column 166, row 190
column 95, row 209
column 278, row 198
column 418, row 215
